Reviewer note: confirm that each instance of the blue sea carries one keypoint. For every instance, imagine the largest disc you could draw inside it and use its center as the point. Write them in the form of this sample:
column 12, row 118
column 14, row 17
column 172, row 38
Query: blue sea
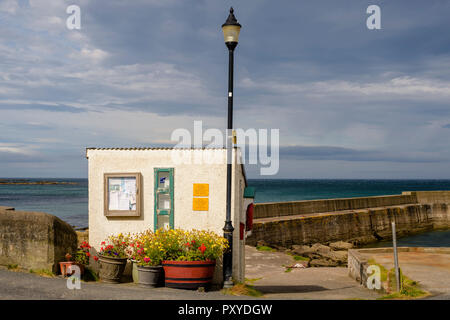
column 70, row 202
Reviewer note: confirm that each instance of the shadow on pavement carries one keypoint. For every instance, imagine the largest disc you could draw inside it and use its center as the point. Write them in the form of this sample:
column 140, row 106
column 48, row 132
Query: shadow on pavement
column 293, row 289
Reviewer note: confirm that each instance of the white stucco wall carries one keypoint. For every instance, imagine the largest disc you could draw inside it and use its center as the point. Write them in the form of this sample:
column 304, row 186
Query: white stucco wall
column 103, row 161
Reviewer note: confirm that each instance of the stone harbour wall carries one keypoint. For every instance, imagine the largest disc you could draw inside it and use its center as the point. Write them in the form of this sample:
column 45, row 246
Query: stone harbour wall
column 277, row 209
column 34, row 240
column 359, row 226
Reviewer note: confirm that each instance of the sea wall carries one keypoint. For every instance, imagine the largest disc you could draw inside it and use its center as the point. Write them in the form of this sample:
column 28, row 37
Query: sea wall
column 429, row 196
column 34, row 240
column 276, row 209
column 359, row 226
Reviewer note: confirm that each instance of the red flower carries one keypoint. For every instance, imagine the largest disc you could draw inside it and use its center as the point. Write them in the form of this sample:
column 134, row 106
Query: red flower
column 103, row 243
column 187, row 244
column 88, row 254
column 202, row 248
column 95, row 258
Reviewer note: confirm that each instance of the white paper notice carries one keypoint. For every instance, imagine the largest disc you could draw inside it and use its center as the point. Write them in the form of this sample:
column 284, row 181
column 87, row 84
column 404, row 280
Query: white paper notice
column 122, row 193
column 113, row 200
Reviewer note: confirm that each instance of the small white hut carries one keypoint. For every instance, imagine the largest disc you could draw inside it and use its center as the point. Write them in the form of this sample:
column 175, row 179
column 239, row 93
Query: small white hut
column 136, row 189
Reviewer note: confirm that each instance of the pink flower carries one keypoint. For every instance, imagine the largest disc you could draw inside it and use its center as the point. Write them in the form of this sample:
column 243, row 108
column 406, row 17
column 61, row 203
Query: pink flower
column 146, row 259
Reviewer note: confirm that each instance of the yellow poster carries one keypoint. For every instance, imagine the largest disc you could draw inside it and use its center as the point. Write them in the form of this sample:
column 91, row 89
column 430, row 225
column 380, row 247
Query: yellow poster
column 200, row 204
column 201, row 189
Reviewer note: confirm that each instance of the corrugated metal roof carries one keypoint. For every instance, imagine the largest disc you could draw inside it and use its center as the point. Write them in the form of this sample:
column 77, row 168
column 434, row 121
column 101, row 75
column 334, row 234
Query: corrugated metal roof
column 156, row 148
column 165, row 148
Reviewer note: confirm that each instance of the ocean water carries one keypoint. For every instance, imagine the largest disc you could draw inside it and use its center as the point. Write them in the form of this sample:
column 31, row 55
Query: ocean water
column 272, row 190
column 70, row 202
column 437, row 238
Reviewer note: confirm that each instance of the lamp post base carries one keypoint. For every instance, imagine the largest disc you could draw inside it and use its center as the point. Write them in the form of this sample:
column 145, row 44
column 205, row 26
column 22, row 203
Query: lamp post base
column 228, row 284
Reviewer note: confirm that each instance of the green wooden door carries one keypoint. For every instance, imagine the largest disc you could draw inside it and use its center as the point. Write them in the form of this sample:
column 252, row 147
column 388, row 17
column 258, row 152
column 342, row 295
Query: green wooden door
column 164, row 210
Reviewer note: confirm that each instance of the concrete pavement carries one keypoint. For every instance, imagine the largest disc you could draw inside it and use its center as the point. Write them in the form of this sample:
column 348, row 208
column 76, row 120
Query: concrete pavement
column 300, row 283
column 267, row 267
column 430, row 269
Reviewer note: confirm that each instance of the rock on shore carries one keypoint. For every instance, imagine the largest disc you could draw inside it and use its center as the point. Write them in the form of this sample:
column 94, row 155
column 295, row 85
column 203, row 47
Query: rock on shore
column 318, row 255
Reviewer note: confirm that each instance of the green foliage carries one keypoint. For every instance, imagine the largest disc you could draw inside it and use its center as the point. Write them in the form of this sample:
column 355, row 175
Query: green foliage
column 43, row 273
column 89, row 275
column 116, row 246
column 12, row 266
column 265, row 248
column 151, row 248
column 242, row 289
column 82, row 254
column 300, row 258
column 251, row 281
column 409, row 288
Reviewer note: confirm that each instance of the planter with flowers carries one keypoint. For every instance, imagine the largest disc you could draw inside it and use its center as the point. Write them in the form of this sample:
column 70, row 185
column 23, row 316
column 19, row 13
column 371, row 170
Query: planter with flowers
column 80, row 258
column 113, row 258
column 190, row 257
column 148, row 254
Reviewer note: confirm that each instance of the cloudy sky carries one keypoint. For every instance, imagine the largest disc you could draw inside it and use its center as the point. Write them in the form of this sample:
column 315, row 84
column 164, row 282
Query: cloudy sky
column 349, row 102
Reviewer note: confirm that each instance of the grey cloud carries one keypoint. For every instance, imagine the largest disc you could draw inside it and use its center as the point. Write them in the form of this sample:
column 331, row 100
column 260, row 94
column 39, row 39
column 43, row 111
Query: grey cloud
column 168, row 58
column 39, row 106
column 349, row 154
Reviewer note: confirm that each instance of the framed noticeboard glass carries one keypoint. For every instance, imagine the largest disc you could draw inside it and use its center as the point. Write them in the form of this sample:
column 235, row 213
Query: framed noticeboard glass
column 122, row 194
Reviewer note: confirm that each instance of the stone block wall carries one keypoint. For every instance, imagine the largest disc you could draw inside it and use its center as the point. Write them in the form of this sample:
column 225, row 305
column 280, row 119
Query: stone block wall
column 359, row 226
column 276, row 209
column 34, row 240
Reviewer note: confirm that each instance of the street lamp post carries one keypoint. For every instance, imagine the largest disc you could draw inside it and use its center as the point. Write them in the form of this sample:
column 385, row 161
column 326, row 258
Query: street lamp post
column 230, row 29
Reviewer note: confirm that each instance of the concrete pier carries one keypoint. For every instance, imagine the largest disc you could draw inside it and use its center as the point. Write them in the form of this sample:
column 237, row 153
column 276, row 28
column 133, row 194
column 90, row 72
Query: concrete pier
column 357, row 220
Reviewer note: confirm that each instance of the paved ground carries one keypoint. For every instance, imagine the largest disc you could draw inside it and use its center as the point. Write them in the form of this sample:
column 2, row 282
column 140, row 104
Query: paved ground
column 431, row 270
column 22, row 285
column 267, row 267
column 300, row 283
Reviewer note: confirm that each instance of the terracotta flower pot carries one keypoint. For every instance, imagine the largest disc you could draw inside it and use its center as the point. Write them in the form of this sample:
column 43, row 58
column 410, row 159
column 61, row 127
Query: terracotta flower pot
column 149, row 276
column 64, row 265
column 111, row 269
column 188, row 274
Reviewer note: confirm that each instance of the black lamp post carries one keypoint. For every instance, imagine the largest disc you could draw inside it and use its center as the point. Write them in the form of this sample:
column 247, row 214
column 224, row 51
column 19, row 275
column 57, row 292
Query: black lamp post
column 230, row 29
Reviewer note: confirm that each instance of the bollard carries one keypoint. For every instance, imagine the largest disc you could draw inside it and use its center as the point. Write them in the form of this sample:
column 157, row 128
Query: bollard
column 394, row 242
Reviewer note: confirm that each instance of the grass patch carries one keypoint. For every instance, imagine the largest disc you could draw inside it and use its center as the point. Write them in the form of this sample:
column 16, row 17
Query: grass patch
column 244, row 289
column 410, row 289
column 300, row 258
column 265, row 248
column 251, row 281
column 12, row 266
column 43, row 273
column 89, row 275
column 288, row 269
